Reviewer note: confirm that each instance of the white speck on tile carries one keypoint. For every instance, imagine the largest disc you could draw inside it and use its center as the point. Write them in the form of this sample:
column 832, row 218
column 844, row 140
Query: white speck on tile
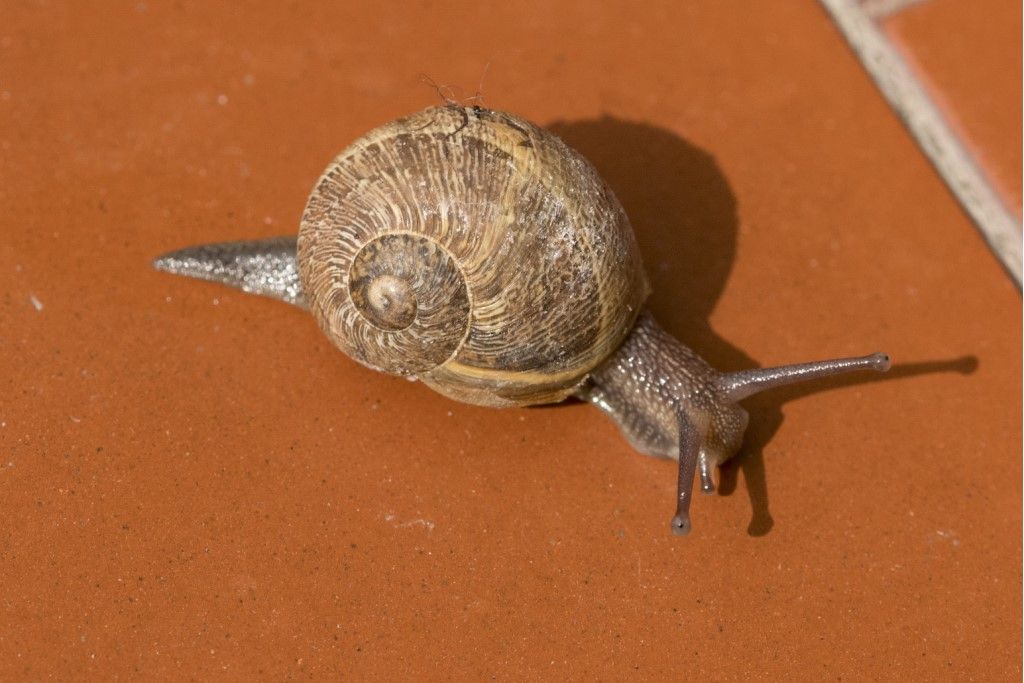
column 268, row 220
column 75, row 419
column 248, row 80
column 222, row 99
column 418, row 522
column 36, row 303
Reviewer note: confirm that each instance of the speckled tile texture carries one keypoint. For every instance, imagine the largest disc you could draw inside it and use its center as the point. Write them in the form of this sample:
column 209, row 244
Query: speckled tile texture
column 196, row 485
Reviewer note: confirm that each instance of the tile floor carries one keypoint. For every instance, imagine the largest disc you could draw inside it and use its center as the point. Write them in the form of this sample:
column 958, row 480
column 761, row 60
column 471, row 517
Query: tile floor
column 196, row 485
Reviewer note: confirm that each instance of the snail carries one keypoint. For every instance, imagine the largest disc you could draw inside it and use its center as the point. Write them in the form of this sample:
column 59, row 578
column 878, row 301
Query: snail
column 476, row 252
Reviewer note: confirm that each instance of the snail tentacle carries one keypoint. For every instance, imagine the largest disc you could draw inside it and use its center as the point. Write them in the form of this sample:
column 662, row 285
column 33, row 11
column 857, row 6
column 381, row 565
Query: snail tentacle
column 689, row 451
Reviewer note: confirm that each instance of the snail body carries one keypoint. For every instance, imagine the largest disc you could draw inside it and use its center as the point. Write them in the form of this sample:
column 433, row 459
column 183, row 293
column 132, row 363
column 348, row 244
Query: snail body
column 477, row 252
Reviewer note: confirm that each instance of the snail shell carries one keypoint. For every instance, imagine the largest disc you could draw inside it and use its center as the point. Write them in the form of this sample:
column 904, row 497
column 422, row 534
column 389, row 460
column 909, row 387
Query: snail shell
column 473, row 250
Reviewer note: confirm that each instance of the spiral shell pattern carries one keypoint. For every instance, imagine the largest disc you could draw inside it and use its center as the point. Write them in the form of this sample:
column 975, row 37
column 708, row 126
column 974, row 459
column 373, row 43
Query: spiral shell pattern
column 473, row 250
column 410, row 307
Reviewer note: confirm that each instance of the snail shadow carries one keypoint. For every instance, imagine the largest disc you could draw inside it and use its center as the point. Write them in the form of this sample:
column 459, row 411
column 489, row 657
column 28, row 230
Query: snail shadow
column 684, row 214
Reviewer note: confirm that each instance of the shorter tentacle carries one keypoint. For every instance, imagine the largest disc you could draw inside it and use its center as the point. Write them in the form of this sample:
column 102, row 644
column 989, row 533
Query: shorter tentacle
column 707, row 480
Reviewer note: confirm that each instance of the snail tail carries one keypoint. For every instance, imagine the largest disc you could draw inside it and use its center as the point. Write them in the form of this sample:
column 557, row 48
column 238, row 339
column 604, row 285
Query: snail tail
column 267, row 267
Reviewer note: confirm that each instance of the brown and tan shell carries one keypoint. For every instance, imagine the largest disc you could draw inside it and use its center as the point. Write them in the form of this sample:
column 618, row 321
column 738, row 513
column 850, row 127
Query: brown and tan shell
column 473, row 250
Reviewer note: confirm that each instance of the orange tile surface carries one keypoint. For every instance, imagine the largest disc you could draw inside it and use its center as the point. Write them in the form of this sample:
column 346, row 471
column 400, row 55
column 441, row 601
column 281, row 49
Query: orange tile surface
column 970, row 57
column 195, row 484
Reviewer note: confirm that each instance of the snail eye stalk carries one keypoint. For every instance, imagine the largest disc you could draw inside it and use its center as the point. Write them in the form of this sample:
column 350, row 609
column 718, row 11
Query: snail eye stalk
column 689, row 450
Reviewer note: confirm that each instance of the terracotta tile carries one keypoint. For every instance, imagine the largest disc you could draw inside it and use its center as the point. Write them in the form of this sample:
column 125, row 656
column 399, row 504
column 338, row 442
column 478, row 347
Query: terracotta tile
column 195, row 484
column 970, row 58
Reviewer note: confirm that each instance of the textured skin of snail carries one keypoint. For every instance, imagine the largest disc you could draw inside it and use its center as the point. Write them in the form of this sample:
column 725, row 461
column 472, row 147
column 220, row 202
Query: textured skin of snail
column 473, row 250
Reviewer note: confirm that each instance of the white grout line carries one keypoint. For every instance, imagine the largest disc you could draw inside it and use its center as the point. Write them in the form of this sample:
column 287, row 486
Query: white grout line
column 1001, row 229
column 878, row 9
